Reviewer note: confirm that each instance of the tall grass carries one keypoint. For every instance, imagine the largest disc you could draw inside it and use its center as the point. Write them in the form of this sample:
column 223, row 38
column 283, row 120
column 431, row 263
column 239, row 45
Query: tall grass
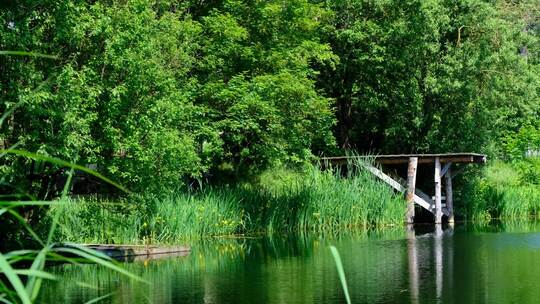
column 341, row 272
column 281, row 200
column 505, row 191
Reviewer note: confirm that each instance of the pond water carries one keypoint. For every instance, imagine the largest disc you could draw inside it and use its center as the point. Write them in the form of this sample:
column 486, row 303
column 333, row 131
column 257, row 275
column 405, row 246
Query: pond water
column 467, row 264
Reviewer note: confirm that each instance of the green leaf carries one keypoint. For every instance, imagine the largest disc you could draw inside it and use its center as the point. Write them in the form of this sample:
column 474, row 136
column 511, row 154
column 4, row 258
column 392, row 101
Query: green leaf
column 341, row 273
column 63, row 163
column 36, row 273
column 100, row 298
column 99, row 261
column 14, row 280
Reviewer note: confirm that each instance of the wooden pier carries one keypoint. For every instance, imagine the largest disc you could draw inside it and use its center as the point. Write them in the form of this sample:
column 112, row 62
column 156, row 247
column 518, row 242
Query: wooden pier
column 442, row 164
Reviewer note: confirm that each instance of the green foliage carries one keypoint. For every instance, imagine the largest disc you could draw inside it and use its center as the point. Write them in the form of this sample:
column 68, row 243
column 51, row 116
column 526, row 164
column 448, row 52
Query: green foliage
column 433, row 76
column 155, row 96
column 23, row 271
column 525, row 141
column 507, row 191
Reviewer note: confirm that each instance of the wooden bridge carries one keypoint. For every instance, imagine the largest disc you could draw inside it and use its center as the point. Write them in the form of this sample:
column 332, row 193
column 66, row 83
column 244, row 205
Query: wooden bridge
column 442, row 169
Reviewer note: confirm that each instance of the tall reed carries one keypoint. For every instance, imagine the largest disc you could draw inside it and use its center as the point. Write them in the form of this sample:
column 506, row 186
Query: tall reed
column 504, row 191
column 281, row 201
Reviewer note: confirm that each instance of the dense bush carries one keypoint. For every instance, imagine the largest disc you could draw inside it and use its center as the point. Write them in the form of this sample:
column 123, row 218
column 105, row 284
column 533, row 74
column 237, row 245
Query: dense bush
column 154, row 94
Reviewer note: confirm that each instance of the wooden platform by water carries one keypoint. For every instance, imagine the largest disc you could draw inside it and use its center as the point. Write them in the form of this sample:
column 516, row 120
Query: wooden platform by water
column 414, row 195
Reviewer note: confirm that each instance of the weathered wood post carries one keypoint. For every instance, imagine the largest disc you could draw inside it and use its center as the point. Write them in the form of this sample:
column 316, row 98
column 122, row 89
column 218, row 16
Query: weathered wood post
column 438, row 261
column 438, row 209
column 449, row 195
column 411, row 185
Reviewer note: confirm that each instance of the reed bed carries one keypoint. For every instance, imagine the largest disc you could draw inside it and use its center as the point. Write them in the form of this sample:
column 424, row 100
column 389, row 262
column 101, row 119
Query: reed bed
column 281, row 200
column 505, row 191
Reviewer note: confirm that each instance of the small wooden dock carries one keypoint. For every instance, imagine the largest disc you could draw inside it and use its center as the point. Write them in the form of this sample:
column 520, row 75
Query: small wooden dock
column 442, row 166
column 130, row 253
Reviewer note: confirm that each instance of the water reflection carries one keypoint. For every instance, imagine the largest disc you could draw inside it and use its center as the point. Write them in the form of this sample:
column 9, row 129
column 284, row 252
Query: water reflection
column 413, row 263
column 426, row 264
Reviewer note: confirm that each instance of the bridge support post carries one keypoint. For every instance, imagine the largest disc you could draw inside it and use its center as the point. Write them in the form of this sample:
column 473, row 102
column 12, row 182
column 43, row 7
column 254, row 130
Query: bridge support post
column 411, row 185
column 449, row 196
column 438, row 207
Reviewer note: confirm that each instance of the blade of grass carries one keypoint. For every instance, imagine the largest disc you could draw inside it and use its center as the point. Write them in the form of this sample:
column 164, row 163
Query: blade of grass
column 14, row 280
column 86, row 285
column 68, row 183
column 34, row 283
column 54, row 224
column 3, row 299
column 8, row 112
column 341, row 273
column 29, row 203
column 100, row 298
column 18, row 253
column 99, row 261
column 89, row 251
column 63, row 163
column 36, row 273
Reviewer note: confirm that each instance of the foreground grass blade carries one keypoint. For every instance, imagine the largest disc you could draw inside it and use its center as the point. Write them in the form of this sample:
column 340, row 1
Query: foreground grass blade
column 36, row 273
column 89, row 251
column 341, row 273
column 100, row 298
column 64, row 164
column 4, row 300
column 99, row 261
column 34, row 282
column 18, row 253
column 14, row 280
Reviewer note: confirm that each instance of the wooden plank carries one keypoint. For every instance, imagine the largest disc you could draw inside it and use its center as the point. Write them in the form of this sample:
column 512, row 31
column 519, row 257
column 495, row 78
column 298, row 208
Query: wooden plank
column 396, row 185
column 422, row 196
column 427, row 160
column 431, row 201
column 404, row 158
column 449, row 196
column 411, row 184
column 387, row 179
column 438, row 208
